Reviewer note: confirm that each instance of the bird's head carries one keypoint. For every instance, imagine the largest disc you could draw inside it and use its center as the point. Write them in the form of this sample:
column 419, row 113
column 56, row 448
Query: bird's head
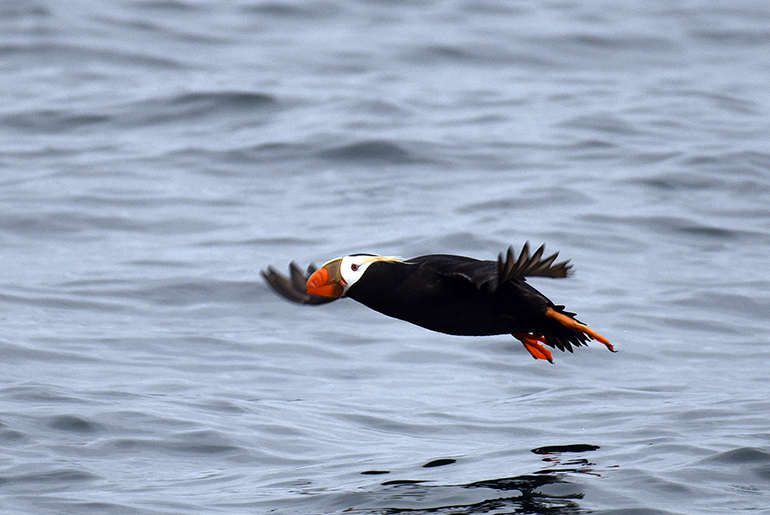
column 335, row 277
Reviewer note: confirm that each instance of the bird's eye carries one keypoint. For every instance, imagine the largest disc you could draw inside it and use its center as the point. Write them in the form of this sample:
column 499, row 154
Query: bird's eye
column 354, row 267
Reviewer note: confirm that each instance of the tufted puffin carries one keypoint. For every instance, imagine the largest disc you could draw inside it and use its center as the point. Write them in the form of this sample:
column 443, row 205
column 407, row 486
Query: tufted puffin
column 449, row 294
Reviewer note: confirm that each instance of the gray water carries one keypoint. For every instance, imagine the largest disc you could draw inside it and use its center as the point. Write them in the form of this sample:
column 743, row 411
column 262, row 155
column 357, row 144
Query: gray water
column 156, row 155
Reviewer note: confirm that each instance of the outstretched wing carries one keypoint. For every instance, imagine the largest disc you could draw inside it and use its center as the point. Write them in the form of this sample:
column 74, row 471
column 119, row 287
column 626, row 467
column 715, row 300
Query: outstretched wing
column 530, row 266
column 293, row 287
column 490, row 274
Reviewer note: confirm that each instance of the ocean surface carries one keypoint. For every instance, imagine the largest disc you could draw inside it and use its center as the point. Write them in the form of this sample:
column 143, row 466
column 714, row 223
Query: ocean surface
column 155, row 155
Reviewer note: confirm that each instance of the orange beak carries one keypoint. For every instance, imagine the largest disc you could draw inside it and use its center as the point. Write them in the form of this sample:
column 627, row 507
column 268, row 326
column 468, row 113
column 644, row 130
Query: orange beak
column 327, row 280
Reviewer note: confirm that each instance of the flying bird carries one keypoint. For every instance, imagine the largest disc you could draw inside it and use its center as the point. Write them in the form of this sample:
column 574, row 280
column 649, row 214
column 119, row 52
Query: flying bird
column 450, row 294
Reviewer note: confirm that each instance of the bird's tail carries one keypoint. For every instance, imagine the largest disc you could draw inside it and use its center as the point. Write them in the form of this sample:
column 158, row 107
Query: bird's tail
column 564, row 333
column 578, row 327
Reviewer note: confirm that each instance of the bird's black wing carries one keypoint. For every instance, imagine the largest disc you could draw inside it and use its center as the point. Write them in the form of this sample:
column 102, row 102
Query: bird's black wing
column 293, row 287
column 490, row 274
column 530, row 266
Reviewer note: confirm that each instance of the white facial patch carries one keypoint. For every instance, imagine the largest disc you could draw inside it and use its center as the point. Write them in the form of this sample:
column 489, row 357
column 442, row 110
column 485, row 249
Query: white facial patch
column 353, row 267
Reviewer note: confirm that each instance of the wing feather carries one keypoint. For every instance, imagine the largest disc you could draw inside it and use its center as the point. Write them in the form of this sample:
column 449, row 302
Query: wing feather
column 489, row 274
column 530, row 266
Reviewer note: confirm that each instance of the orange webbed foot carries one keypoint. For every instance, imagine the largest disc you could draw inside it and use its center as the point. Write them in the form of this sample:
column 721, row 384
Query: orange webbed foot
column 532, row 343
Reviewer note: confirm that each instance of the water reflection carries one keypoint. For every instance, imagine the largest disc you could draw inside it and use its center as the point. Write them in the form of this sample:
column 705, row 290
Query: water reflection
column 528, row 499
column 546, row 491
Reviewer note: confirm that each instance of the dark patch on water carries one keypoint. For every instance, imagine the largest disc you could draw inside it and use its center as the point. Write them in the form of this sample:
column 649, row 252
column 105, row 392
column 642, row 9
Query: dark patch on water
column 312, row 11
column 743, row 455
column 401, row 482
column 52, row 121
column 439, row 463
column 578, row 447
column 372, row 151
column 192, row 106
column 73, row 424
column 28, row 480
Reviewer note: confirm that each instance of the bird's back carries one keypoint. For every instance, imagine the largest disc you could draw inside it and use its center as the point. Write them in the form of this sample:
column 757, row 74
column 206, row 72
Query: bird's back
column 439, row 292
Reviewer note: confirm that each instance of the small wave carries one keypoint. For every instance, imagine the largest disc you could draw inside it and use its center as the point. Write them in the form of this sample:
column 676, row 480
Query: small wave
column 64, row 224
column 602, row 123
column 72, row 424
column 674, row 225
column 744, row 464
column 301, row 11
column 21, row 10
column 193, row 106
column 374, row 151
column 189, row 292
column 476, row 55
column 52, row 121
column 168, row 5
column 185, row 107
column 626, row 42
column 273, row 152
column 32, row 480
column 739, row 38
column 742, row 455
